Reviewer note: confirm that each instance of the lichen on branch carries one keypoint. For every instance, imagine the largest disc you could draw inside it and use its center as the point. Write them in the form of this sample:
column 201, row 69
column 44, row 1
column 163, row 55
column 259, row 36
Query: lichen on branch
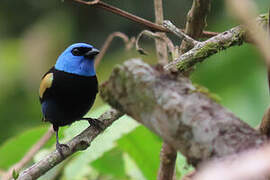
column 222, row 41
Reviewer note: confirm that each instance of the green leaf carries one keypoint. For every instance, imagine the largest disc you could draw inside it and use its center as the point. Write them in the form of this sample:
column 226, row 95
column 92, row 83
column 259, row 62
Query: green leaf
column 132, row 169
column 143, row 147
column 111, row 163
column 103, row 143
column 15, row 148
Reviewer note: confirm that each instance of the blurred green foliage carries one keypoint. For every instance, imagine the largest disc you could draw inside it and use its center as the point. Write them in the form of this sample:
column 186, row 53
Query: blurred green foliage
column 22, row 142
column 33, row 33
column 146, row 157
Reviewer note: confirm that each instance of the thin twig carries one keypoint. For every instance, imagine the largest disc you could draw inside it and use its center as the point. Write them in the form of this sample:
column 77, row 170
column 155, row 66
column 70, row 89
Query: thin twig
column 150, row 34
column 89, row 2
column 78, row 143
column 152, row 26
column 128, row 44
column 166, row 169
column 30, row 154
column 167, row 162
column 115, row 10
column 161, row 47
column 206, row 34
column 171, row 27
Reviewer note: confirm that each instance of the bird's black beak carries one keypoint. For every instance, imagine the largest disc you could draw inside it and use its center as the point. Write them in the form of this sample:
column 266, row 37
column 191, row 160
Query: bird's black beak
column 92, row 53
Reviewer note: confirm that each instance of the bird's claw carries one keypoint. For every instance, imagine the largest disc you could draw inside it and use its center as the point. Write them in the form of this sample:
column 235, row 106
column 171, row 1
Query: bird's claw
column 99, row 125
column 60, row 148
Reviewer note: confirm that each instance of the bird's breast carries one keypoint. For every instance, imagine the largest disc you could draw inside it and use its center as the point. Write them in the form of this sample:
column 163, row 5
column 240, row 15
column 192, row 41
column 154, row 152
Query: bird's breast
column 69, row 98
column 74, row 86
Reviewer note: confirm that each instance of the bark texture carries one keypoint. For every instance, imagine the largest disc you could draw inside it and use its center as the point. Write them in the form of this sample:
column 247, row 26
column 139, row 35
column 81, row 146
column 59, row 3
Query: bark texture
column 173, row 108
column 196, row 21
column 167, row 162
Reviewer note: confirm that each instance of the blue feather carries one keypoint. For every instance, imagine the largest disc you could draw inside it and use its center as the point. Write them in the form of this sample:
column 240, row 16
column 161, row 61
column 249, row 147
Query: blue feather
column 79, row 65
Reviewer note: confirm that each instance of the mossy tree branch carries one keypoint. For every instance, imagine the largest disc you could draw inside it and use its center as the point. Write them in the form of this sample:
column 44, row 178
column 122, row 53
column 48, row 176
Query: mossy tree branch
column 172, row 107
column 222, row 41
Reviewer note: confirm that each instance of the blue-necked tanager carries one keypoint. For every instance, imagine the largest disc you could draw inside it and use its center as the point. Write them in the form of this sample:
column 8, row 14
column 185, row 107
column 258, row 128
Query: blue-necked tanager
column 68, row 90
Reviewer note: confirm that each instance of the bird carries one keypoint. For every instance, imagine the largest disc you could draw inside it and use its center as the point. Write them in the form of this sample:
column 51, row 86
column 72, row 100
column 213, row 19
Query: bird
column 68, row 90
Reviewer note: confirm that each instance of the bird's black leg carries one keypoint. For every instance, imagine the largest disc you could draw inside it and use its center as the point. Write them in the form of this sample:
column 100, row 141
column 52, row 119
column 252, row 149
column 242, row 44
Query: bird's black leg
column 59, row 147
column 95, row 123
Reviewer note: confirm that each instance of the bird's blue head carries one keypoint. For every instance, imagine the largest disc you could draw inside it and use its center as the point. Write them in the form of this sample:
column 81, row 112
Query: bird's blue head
column 78, row 59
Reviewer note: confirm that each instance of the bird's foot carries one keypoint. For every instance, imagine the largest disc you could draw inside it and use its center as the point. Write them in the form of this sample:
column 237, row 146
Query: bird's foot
column 97, row 124
column 60, row 148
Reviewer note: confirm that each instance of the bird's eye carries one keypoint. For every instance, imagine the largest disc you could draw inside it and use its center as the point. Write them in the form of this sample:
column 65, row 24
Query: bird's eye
column 76, row 52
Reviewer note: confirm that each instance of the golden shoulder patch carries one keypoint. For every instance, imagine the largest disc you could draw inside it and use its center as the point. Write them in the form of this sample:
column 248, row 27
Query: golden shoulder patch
column 46, row 83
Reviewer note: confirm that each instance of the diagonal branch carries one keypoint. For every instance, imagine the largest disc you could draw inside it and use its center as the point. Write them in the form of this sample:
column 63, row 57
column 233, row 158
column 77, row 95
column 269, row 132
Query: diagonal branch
column 174, row 109
column 203, row 50
column 120, row 12
column 78, row 143
column 152, row 26
column 222, row 41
